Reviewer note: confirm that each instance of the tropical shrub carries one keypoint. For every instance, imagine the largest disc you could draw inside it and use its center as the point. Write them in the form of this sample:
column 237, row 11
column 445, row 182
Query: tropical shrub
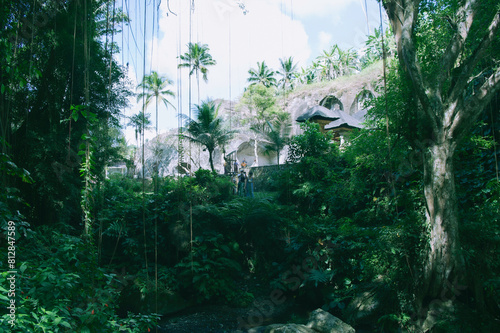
column 60, row 288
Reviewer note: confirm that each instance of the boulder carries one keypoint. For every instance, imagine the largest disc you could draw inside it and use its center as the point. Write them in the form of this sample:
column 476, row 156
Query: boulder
column 320, row 321
column 282, row 328
column 324, row 322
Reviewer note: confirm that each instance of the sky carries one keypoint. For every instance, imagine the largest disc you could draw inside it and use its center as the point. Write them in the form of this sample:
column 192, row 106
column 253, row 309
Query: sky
column 265, row 30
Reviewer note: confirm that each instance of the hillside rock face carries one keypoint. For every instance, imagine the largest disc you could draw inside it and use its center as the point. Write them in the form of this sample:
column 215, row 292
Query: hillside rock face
column 345, row 93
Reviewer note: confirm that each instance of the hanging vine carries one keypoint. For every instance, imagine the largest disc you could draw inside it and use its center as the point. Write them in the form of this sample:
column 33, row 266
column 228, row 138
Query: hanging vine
column 87, row 168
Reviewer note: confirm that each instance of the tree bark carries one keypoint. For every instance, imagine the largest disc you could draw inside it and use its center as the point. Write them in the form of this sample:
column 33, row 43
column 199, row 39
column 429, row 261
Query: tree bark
column 255, row 149
column 210, row 158
column 444, row 262
column 198, row 85
column 449, row 114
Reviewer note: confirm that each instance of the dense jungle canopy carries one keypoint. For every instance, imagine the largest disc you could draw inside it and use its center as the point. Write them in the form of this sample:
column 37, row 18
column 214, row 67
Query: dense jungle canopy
column 392, row 227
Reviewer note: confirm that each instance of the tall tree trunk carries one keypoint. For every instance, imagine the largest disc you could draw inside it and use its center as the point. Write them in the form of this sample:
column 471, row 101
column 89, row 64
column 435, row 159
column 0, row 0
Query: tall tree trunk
column 210, row 158
column 255, row 149
column 157, row 157
column 448, row 112
column 198, row 84
column 445, row 262
column 444, row 267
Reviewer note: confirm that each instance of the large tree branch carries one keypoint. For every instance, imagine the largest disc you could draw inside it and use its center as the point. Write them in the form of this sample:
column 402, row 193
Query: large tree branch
column 403, row 16
column 468, row 110
column 465, row 16
column 466, row 69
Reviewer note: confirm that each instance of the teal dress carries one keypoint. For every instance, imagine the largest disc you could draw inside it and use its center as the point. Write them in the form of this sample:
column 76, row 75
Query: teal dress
column 250, row 187
column 241, row 185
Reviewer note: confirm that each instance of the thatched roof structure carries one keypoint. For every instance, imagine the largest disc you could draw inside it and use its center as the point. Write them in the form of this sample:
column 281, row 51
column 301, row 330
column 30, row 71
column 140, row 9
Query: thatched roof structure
column 317, row 112
column 343, row 121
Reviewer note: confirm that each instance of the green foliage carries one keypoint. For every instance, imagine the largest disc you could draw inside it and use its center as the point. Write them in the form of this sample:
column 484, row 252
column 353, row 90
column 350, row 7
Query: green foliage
column 9, row 168
column 208, row 129
column 261, row 102
column 155, row 87
column 88, row 169
column 275, row 133
column 210, row 271
column 357, row 226
column 254, row 224
column 262, row 75
column 11, row 203
column 340, row 223
column 44, row 71
column 288, row 72
column 312, row 182
column 312, row 143
column 336, row 62
column 398, row 106
column 139, row 121
column 120, row 218
column 478, row 194
column 212, row 188
column 375, row 48
column 60, row 288
column 197, row 59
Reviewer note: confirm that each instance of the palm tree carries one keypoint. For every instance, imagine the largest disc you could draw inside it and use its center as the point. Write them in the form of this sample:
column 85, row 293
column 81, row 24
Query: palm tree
column 262, row 74
column 275, row 133
column 208, row 130
column 308, row 75
column 155, row 87
column 374, row 50
column 138, row 122
column 197, row 59
column 347, row 61
column 328, row 61
column 287, row 72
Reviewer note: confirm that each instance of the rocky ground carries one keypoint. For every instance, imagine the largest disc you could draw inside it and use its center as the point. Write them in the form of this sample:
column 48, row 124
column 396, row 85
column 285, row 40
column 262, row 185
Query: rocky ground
column 224, row 319
column 214, row 318
column 211, row 318
column 208, row 318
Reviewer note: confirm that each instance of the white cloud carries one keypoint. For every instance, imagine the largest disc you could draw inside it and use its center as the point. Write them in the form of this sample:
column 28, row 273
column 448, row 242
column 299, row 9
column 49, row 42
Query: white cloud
column 271, row 29
column 236, row 42
column 325, row 40
column 316, row 8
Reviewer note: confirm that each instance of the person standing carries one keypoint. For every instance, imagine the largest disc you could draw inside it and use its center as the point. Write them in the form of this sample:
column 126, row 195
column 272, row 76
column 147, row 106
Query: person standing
column 235, row 167
column 234, row 179
column 249, row 185
column 241, row 183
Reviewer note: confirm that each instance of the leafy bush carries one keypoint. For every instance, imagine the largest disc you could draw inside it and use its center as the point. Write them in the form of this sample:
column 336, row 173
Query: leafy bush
column 211, row 269
column 61, row 288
